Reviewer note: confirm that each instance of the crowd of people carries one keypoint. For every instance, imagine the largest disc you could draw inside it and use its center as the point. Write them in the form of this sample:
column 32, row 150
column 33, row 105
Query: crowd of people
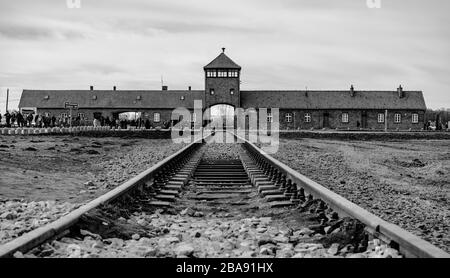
column 17, row 119
column 436, row 126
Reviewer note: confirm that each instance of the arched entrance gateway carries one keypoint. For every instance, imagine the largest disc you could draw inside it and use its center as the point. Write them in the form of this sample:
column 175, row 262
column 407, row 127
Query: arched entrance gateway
column 223, row 115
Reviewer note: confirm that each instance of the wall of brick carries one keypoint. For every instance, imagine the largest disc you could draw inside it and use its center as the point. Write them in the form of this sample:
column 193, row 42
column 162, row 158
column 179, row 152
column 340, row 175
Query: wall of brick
column 222, row 88
column 298, row 118
column 354, row 116
column 165, row 114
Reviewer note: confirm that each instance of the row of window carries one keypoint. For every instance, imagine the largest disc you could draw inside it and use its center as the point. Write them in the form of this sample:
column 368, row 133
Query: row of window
column 222, row 73
column 345, row 118
column 288, row 117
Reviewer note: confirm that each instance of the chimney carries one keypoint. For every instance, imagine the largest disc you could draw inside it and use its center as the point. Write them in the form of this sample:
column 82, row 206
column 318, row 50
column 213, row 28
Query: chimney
column 400, row 92
column 352, row 91
column 114, row 88
column 92, row 88
column 164, row 88
column 189, row 88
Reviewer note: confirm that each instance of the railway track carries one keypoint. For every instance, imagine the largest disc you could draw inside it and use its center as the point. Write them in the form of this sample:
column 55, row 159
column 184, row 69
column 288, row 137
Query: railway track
column 251, row 184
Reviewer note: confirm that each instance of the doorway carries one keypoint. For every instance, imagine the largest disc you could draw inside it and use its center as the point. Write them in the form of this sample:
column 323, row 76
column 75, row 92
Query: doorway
column 326, row 120
column 364, row 119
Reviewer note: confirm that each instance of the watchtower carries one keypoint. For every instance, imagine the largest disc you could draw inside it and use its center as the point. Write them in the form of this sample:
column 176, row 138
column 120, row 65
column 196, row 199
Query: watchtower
column 222, row 81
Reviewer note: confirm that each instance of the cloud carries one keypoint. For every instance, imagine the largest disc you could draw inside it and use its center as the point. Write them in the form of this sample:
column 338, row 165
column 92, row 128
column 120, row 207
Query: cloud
column 32, row 31
column 286, row 44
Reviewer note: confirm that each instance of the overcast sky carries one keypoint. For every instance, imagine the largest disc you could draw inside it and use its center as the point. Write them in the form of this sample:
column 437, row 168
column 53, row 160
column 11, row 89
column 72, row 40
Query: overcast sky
column 287, row 44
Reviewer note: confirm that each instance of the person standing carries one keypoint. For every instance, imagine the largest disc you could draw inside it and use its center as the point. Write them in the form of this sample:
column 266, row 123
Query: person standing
column 8, row 119
column 30, row 119
column 20, row 119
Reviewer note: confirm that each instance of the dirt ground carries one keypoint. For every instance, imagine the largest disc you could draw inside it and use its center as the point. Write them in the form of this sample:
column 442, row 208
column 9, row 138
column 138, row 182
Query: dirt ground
column 405, row 182
column 45, row 177
column 73, row 169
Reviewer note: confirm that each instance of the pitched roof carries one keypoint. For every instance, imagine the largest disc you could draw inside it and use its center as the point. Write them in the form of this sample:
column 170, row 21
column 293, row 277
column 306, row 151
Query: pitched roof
column 256, row 99
column 333, row 100
column 222, row 62
column 110, row 99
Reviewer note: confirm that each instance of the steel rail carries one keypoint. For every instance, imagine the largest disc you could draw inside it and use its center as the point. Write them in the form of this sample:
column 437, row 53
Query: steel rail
column 407, row 243
column 40, row 235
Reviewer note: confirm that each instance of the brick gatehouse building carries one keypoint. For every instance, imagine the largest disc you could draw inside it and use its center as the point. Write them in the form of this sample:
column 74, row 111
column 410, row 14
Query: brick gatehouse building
column 350, row 109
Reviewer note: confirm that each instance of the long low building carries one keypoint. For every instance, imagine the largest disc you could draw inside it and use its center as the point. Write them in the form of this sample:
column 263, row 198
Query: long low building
column 351, row 109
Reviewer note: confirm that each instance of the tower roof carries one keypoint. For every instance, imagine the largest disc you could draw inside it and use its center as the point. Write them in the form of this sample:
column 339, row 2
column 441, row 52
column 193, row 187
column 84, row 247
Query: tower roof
column 222, row 62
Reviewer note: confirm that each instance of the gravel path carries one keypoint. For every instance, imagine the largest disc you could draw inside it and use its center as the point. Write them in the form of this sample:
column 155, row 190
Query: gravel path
column 403, row 182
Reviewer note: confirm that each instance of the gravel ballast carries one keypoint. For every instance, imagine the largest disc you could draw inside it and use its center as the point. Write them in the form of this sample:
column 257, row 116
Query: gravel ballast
column 403, row 182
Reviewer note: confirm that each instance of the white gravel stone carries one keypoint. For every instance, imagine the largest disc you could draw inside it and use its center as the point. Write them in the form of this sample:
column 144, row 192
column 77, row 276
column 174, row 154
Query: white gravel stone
column 184, row 250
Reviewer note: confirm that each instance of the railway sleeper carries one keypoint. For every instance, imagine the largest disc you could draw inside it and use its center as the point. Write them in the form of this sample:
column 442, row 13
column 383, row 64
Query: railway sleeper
column 265, row 185
column 169, row 191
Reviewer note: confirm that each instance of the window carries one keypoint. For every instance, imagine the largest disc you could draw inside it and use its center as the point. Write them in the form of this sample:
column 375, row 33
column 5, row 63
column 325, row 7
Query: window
column 182, row 97
column 397, row 118
column 231, row 91
column 222, row 73
column 94, row 97
column 63, row 115
column 81, row 115
column 307, row 117
column 232, row 73
column 156, row 117
column 345, row 117
column 380, row 118
column 269, row 118
column 211, row 91
column 288, row 117
column 211, row 73
column 415, row 118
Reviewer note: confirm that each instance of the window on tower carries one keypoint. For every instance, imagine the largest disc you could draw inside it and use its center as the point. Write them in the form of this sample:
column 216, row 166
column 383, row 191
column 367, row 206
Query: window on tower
column 232, row 73
column 211, row 73
column 211, row 91
column 222, row 73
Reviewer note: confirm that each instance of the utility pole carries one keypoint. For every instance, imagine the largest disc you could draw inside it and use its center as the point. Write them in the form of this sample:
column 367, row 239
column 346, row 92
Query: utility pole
column 294, row 120
column 7, row 99
column 385, row 120
column 70, row 117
